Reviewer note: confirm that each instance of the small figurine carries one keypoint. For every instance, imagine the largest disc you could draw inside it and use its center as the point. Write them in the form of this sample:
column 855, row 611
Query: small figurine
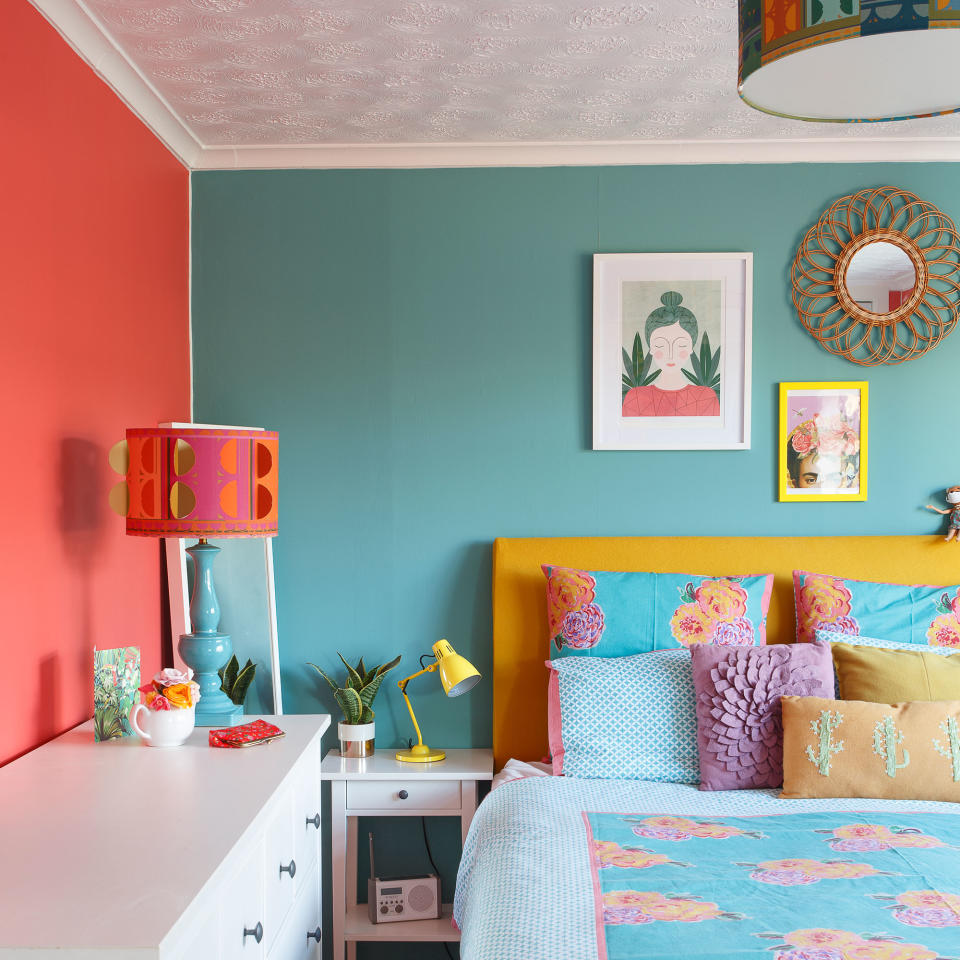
column 953, row 498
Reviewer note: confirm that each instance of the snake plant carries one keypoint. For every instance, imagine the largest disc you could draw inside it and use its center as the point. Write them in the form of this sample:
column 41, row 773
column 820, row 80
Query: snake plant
column 234, row 681
column 356, row 698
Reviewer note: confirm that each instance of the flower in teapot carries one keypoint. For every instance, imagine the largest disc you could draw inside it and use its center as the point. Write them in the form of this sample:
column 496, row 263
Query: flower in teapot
column 171, row 690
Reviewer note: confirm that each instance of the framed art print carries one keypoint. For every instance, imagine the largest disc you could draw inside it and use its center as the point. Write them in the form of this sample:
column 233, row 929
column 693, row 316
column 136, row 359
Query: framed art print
column 823, row 441
column 671, row 351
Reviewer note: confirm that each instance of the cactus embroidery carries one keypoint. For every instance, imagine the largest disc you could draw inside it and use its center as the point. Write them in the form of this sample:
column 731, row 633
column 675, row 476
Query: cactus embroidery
column 886, row 739
column 823, row 728
column 952, row 750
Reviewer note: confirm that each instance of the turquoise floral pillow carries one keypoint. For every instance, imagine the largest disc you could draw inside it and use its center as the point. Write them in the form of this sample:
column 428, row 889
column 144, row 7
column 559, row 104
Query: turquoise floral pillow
column 603, row 613
column 907, row 613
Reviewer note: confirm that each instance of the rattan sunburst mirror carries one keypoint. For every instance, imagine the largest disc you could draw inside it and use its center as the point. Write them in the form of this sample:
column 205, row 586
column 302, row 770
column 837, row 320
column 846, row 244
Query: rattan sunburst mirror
column 877, row 277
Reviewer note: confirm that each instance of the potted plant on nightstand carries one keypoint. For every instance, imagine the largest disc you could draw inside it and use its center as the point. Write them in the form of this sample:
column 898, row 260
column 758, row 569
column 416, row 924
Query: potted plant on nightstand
column 357, row 729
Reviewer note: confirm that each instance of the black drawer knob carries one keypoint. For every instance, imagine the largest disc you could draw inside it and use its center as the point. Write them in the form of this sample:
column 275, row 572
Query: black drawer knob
column 403, row 794
column 256, row 933
column 291, row 869
column 315, row 820
column 315, row 935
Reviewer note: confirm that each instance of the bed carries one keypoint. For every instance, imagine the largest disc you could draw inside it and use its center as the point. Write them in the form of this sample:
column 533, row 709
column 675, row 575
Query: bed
column 713, row 875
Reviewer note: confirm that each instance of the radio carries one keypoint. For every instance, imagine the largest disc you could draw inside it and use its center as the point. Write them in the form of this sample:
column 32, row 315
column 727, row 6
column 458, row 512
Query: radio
column 391, row 899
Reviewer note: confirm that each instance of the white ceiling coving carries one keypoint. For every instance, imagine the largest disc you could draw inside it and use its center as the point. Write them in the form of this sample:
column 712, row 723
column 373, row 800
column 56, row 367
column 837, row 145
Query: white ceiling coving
column 451, row 82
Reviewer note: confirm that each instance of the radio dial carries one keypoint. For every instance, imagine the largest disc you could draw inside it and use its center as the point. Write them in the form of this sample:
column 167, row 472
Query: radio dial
column 399, row 908
column 383, row 909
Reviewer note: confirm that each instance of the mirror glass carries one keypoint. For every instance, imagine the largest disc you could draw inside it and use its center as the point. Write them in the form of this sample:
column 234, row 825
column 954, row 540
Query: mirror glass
column 880, row 277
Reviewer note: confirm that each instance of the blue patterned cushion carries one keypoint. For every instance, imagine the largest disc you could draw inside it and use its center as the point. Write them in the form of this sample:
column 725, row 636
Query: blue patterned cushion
column 624, row 717
column 606, row 613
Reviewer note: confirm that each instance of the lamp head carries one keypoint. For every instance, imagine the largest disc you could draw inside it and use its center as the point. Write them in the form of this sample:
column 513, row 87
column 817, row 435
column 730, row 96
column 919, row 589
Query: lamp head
column 457, row 674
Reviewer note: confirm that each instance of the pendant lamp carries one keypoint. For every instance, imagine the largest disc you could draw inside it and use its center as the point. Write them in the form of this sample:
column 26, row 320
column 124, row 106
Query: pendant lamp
column 850, row 61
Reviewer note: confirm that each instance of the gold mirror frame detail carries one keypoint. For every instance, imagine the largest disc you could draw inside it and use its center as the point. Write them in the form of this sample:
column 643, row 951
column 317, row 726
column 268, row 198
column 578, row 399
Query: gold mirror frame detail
column 824, row 305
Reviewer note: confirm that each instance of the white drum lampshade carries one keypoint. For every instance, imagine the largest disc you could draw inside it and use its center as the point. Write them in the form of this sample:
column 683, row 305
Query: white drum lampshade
column 854, row 61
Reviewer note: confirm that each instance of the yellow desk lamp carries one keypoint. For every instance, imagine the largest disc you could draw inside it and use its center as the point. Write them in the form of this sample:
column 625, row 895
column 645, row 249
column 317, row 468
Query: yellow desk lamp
column 457, row 676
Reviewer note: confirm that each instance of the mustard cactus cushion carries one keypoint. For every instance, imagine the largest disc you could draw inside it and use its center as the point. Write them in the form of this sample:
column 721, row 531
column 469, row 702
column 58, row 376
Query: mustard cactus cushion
column 895, row 676
column 850, row 748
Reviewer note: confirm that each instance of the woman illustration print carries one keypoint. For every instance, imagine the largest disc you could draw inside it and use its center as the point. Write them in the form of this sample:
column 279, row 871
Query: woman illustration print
column 803, row 456
column 671, row 333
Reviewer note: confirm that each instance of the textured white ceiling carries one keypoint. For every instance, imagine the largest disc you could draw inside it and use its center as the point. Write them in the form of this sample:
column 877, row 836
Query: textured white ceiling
column 284, row 72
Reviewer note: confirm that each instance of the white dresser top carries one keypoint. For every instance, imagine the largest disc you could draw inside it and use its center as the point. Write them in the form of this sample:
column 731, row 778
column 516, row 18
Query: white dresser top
column 105, row 845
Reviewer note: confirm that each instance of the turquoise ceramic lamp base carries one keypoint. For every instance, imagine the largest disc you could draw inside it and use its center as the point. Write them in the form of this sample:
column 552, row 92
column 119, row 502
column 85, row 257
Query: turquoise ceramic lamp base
column 205, row 649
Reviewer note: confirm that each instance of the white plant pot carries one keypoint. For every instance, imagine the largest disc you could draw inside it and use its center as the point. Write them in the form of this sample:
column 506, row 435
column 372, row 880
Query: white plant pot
column 356, row 739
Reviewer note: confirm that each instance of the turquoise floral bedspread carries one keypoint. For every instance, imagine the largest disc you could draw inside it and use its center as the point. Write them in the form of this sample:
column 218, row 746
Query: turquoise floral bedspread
column 554, row 869
column 806, row 886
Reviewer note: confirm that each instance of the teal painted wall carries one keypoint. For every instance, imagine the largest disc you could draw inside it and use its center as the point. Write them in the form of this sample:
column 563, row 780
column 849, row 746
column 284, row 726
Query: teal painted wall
column 422, row 341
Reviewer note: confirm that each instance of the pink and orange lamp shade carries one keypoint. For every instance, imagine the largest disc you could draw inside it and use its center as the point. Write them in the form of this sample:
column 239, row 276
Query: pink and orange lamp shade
column 197, row 482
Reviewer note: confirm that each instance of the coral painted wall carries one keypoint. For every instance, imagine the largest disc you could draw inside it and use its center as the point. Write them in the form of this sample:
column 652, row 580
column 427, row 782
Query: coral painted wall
column 94, row 301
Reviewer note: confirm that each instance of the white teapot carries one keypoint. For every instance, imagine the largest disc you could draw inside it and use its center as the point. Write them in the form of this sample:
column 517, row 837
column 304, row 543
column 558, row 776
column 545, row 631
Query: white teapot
column 162, row 728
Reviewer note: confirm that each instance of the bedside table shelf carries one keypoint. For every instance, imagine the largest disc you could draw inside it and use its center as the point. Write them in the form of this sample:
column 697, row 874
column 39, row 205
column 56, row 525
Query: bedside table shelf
column 358, row 927
column 382, row 786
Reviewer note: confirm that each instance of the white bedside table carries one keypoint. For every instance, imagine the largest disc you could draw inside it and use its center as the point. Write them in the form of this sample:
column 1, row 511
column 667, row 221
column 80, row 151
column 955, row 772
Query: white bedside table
column 382, row 786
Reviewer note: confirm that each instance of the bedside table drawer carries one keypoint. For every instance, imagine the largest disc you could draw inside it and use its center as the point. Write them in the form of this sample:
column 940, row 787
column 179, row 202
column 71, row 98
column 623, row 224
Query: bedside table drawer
column 419, row 795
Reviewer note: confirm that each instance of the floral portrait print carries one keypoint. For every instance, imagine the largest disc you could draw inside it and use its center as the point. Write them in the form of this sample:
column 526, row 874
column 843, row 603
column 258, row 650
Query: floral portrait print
column 713, row 612
column 679, row 374
column 823, row 602
column 823, row 441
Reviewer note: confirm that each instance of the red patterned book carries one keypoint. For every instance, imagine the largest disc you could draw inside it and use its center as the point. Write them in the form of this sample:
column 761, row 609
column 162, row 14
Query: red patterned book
column 246, row 735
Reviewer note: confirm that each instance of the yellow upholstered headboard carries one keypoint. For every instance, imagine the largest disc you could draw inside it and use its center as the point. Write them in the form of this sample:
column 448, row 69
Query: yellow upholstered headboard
column 520, row 643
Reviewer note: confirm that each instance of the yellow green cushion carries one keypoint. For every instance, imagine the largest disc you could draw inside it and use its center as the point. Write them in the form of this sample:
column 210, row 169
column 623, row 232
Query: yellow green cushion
column 894, row 676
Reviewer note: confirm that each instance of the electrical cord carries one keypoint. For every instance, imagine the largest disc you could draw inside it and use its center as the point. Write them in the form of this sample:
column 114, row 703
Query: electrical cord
column 426, row 843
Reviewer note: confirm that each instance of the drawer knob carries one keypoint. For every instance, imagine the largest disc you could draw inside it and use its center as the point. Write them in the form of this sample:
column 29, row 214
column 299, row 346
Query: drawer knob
column 315, row 820
column 291, row 869
column 403, row 794
column 256, row 933
column 315, row 935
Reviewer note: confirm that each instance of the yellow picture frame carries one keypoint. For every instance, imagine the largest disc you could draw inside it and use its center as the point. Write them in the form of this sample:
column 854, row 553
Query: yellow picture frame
column 823, row 441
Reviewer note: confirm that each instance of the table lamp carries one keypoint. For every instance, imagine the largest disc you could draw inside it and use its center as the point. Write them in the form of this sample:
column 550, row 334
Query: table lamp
column 199, row 481
column 457, row 676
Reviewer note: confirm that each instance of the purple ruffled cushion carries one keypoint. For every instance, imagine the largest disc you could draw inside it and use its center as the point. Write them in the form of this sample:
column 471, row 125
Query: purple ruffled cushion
column 738, row 690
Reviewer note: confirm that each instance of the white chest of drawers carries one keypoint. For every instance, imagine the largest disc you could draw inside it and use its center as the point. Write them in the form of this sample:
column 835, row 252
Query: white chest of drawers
column 119, row 851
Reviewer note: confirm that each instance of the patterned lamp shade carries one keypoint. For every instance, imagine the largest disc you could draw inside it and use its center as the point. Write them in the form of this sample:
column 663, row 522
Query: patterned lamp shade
column 853, row 61
column 197, row 482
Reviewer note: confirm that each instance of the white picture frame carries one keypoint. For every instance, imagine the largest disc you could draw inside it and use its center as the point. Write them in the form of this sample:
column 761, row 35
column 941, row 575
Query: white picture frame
column 712, row 295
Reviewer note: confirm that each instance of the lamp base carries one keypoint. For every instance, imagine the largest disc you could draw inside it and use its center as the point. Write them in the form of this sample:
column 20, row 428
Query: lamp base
column 205, row 654
column 421, row 753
